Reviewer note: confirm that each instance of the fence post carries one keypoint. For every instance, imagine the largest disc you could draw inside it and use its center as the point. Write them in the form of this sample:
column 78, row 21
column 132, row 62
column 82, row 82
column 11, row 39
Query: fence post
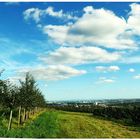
column 28, row 114
column 19, row 116
column 10, row 120
column 24, row 114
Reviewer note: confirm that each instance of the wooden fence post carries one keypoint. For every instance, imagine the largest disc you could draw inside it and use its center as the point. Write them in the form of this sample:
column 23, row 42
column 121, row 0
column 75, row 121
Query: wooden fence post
column 33, row 111
column 10, row 120
column 28, row 114
column 19, row 116
column 24, row 115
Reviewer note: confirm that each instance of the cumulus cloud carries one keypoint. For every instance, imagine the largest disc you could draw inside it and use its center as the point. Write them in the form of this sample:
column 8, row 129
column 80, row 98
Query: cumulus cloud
column 98, row 27
column 134, row 19
column 107, row 69
column 82, row 55
column 57, row 33
column 94, row 20
column 137, row 76
column 36, row 14
column 131, row 70
column 105, row 80
column 52, row 72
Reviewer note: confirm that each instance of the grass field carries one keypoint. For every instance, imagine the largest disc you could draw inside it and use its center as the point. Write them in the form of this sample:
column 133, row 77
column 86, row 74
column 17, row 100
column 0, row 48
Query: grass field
column 61, row 124
column 79, row 125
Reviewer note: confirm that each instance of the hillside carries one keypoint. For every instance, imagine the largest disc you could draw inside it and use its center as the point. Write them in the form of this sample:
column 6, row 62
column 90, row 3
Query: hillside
column 79, row 125
column 61, row 124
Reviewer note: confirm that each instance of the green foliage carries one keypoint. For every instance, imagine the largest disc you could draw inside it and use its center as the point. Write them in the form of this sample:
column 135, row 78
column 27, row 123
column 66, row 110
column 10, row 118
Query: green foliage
column 26, row 95
column 29, row 95
column 8, row 94
column 133, row 114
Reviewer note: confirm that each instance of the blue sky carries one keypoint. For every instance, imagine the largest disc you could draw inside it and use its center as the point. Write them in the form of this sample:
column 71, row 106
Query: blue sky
column 75, row 50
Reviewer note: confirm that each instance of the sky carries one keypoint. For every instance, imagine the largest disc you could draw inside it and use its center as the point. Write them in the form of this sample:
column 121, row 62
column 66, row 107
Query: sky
column 74, row 50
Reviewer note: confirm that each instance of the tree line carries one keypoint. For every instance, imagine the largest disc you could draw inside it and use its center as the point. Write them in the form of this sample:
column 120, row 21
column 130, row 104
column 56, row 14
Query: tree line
column 26, row 97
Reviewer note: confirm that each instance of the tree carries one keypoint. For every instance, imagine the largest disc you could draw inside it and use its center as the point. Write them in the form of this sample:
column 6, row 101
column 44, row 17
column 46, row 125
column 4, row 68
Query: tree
column 30, row 96
column 8, row 95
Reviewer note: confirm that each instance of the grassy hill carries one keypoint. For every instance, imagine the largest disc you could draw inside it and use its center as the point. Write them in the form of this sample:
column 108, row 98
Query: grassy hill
column 62, row 124
column 81, row 125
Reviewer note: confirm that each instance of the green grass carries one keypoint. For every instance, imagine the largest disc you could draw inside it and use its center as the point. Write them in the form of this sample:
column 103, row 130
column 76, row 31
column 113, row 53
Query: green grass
column 62, row 124
column 45, row 125
column 82, row 125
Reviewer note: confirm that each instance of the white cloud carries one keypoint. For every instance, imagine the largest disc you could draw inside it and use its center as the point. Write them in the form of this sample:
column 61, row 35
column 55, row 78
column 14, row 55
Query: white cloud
column 58, row 33
column 131, row 70
column 134, row 19
column 107, row 69
column 97, row 23
column 88, row 9
column 32, row 13
column 137, row 76
column 105, row 80
column 50, row 11
column 36, row 14
column 114, row 68
column 82, row 55
column 96, row 27
column 100, row 68
column 59, row 14
column 52, row 72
